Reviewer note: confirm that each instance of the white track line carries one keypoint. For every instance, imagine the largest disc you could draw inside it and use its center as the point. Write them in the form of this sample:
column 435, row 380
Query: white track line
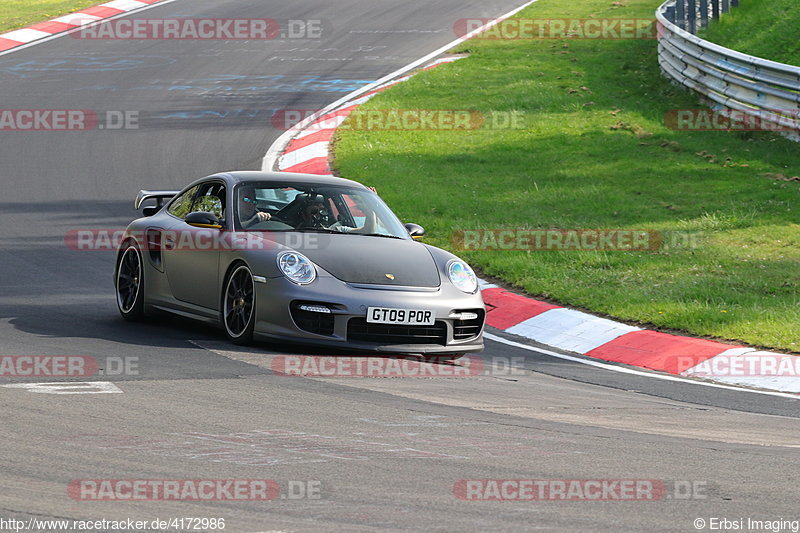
column 571, row 330
column 624, row 370
column 77, row 19
column 125, row 5
column 25, row 35
column 276, row 149
column 306, row 153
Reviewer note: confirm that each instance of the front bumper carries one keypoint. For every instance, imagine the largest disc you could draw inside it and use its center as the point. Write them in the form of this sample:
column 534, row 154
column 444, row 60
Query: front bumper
column 345, row 326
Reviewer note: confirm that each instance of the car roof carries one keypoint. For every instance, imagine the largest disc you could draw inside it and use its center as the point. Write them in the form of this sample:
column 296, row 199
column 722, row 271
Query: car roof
column 252, row 176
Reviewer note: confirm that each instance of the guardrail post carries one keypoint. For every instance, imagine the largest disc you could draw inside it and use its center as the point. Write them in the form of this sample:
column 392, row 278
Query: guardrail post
column 670, row 13
column 703, row 13
column 680, row 14
column 691, row 13
column 726, row 6
column 715, row 4
column 734, row 3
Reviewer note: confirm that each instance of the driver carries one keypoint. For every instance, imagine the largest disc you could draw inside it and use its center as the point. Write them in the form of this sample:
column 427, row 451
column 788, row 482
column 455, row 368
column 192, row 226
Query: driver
column 315, row 215
column 249, row 214
column 313, row 212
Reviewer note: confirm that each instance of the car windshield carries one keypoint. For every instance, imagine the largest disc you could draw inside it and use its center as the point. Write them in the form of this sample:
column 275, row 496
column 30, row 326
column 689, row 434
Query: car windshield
column 314, row 207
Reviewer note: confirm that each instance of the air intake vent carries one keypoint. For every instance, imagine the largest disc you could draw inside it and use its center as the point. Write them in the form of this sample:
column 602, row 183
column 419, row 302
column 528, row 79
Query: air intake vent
column 467, row 329
column 358, row 329
column 309, row 317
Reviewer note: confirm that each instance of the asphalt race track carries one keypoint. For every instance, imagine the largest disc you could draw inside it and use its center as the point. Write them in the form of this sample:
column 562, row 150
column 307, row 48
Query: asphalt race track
column 366, row 454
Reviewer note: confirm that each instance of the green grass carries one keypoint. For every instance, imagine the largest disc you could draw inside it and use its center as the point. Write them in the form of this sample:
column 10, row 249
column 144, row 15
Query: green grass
column 595, row 153
column 763, row 28
column 20, row 13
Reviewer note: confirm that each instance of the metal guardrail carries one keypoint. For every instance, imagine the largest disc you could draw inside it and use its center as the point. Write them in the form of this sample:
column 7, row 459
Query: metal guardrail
column 767, row 91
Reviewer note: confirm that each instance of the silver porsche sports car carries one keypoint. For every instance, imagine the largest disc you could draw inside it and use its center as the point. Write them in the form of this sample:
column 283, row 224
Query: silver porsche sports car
column 296, row 257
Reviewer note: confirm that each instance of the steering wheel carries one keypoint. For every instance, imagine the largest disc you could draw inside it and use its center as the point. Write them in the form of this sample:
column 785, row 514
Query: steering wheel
column 320, row 221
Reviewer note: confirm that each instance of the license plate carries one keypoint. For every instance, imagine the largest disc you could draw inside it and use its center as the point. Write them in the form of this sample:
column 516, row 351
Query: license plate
column 386, row 315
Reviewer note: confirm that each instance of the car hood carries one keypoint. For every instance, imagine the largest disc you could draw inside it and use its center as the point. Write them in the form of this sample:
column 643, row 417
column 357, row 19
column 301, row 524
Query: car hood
column 374, row 260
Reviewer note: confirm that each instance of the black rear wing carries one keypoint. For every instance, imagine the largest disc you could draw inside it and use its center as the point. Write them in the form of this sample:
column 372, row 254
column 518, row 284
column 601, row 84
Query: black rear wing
column 160, row 197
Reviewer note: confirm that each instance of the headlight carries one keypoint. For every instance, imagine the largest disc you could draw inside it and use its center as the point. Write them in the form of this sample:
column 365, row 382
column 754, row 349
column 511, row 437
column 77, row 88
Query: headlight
column 462, row 276
column 296, row 267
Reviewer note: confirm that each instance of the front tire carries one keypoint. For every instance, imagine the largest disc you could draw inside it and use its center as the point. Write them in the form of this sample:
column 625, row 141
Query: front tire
column 239, row 305
column 130, row 284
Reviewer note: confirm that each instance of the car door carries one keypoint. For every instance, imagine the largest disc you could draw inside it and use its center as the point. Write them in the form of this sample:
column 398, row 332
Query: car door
column 191, row 254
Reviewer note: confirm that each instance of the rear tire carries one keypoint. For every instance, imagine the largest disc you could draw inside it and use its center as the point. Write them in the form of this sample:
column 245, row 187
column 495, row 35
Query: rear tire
column 239, row 305
column 129, row 284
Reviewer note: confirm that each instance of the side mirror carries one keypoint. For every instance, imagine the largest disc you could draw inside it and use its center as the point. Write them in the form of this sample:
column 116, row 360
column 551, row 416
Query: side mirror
column 203, row 219
column 415, row 230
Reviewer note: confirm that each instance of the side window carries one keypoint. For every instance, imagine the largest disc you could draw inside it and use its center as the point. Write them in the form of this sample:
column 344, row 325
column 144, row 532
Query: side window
column 211, row 199
column 182, row 205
